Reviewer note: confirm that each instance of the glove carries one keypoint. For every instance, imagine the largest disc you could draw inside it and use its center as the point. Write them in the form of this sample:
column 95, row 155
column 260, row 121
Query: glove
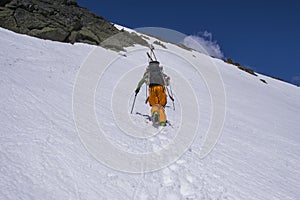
column 137, row 90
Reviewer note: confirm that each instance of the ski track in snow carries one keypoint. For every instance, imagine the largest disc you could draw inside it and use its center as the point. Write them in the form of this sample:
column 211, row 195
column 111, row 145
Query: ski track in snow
column 42, row 157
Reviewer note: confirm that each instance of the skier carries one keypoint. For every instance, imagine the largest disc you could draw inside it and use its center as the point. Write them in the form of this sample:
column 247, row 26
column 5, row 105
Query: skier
column 157, row 82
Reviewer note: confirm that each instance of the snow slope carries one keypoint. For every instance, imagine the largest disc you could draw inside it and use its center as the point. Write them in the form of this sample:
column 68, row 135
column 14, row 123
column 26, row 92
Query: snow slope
column 44, row 156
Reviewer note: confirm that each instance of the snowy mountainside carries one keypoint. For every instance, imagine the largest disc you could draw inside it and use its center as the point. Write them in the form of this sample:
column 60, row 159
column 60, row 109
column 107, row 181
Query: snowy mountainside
column 43, row 156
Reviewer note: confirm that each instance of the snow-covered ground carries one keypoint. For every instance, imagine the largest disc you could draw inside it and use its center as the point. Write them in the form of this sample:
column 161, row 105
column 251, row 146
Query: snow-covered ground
column 45, row 152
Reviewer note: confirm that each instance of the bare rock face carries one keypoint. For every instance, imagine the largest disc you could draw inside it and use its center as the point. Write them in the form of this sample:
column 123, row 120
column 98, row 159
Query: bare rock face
column 58, row 20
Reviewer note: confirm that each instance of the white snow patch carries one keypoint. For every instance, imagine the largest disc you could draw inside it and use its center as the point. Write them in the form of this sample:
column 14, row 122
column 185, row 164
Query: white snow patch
column 42, row 157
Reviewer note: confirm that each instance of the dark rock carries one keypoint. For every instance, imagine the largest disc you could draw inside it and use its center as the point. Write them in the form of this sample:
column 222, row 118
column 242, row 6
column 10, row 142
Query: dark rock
column 7, row 20
column 123, row 39
column 59, row 20
column 13, row 4
column 47, row 32
column 239, row 66
column 70, row 2
column 73, row 37
column 30, row 21
column 87, row 36
column 264, row 81
column 3, row 2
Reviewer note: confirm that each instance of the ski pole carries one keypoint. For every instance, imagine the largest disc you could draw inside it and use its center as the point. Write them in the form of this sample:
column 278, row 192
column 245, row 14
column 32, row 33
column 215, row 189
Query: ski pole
column 133, row 103
column 166, row 87
column 172, row 96
column 146, row 91
column 147, row 97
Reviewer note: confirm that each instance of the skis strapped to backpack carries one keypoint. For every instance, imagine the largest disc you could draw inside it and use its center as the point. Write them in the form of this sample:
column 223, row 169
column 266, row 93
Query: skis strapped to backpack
column 156, row 75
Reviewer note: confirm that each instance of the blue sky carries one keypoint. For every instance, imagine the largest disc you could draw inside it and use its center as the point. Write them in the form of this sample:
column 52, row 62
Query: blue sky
column 261, row 35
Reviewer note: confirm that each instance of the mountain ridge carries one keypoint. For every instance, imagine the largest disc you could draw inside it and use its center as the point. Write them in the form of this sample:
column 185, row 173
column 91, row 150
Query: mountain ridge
column 58, row 20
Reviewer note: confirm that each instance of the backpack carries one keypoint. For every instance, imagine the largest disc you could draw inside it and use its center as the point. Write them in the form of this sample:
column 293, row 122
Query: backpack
column 155, row 75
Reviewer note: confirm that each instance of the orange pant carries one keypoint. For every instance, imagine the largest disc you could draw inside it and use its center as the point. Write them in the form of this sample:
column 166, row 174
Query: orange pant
column 157, row 95
column 157, row 100
column 161, row 111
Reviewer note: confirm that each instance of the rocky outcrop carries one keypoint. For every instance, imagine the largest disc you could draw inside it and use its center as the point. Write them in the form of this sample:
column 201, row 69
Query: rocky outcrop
column 58, row 20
